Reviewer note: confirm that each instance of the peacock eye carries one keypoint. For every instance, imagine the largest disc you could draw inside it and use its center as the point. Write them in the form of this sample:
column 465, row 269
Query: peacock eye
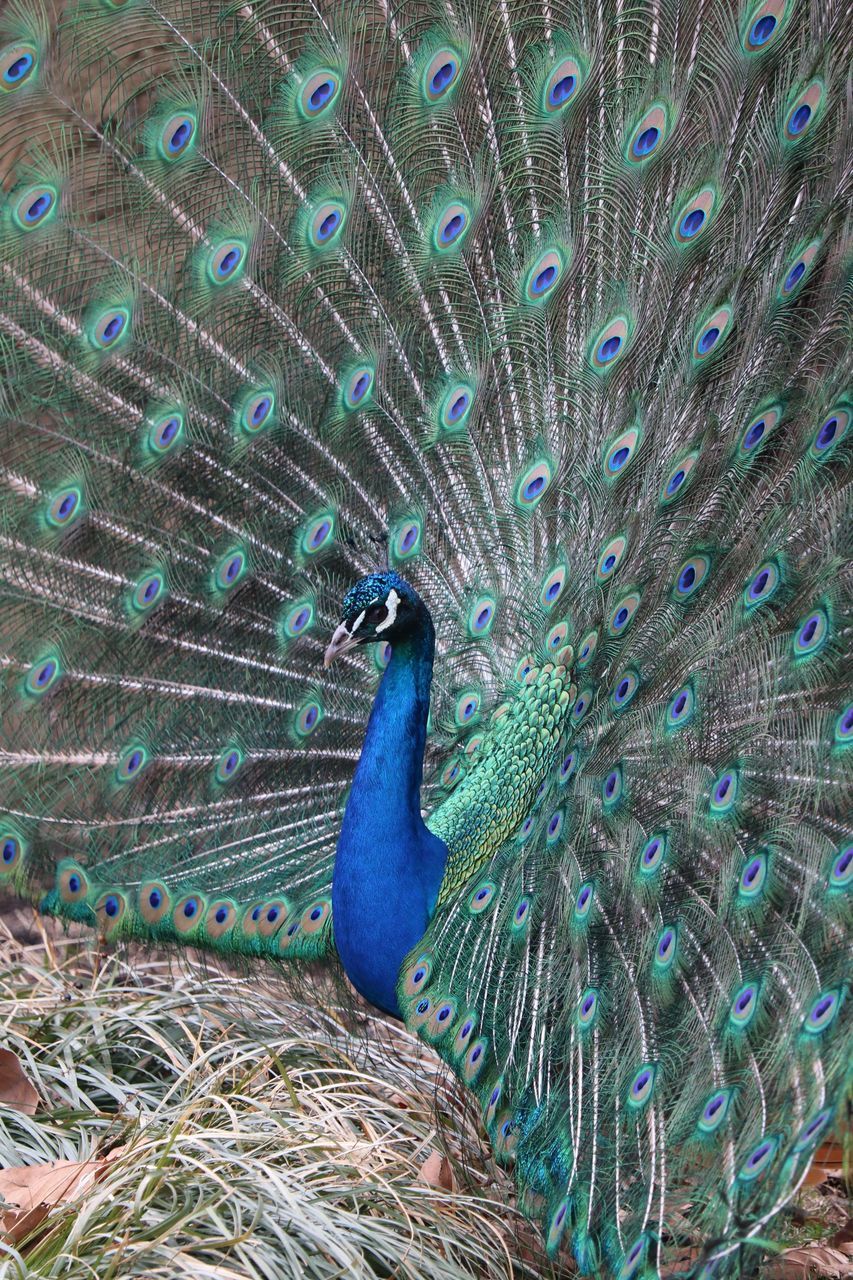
column 376, row 615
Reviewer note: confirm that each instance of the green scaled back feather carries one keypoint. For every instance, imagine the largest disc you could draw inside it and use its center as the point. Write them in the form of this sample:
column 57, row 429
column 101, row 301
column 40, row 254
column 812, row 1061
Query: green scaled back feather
column 552, row 309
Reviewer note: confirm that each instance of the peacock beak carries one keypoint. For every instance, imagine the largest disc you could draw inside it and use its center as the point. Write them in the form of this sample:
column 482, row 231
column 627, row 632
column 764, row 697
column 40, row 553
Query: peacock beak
column 340, row 642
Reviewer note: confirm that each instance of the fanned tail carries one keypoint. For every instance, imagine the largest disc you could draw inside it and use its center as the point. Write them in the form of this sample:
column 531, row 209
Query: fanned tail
column 552, row 308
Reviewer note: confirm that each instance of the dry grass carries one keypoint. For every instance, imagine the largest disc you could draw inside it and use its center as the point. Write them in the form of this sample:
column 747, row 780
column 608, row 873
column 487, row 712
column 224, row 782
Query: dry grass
column 252, row 1135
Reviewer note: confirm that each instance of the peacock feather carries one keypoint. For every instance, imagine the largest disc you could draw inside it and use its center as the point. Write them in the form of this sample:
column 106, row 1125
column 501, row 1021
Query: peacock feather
column 508, row 346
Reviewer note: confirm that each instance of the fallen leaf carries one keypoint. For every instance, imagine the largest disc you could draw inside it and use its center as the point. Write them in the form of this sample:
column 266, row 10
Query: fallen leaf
column 827, row 1163
column 436, row 1171
column 814, row 1262
column 15, row 1089
column 33, row 1190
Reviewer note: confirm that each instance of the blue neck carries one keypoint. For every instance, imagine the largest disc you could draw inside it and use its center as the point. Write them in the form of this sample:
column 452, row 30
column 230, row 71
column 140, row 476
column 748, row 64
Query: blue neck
column 388, row 866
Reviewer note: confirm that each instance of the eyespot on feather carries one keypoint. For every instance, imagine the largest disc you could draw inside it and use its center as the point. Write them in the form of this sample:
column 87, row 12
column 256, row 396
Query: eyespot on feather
column 642, row 1086
column 610, row 344
column 813, row 1130
column 841, row 871
column 298, row 619
column 533, row 484
column 544, row 276
column 416, row 977
column 319, row 533
column 319, row 93
column 153, row 901
column 680, row 709
column 764, row 25
column 753, row 880
column 357, row 387
column 844, row 726
column 677, row 480
column 164, row 433
column 475, row 1060
column 316, row 915
column 71, row 880
column 467, row 707
column 131, row 763
column 556, row 639
column 327, row 224
column 623, row 614
column 757, row 431
column 694, row 217
column 43, row 675
column 451, row 226
column 621, row 452
column 230, row 569
column 561, row 86
column 220, row 919
column 481, row 616
column 834, row 426
column 711, row 333
column 35, row 207
column 308, row 717
column 633, row 1260
column 251, row 918
column 228, row 765
column 110, row 910
column 18, row 64
column 648, row 135
column 274, row 912
column 811, row 633
column 797, row 271
column 744, row 1006
column 583, row 702
column 467, row 1025
column 612, row 554
column 188, row 914
column 441, row 1019
column 64, row 507
column 586, row 649
column 12, row 850
column 724, row 793
column 804, row 112
column 110, row 328
column 652, row 855
column 441, row 76
column 714, row 1111
column 406, row 539
column 612, row 788
column 584, row 902
column 557, row 1225
column 177, row 135
column 148, row 592
column 624, row 689
column 455, row 407
column 759, row 1159
column 691, row 575
column 482, row 897
column 255, row 411
column 762, row 585
column 553, row 586
column 666, row 948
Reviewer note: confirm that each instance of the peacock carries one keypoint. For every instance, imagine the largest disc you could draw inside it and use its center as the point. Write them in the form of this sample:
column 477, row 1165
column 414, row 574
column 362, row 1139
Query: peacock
column 426, row 550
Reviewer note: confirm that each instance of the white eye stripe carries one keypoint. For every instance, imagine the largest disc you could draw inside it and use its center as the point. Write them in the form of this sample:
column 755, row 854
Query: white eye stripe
column 391, row 605
column 355, row 626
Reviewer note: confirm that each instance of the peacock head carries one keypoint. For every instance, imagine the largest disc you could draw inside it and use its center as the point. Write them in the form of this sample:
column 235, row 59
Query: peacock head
column 382, row 607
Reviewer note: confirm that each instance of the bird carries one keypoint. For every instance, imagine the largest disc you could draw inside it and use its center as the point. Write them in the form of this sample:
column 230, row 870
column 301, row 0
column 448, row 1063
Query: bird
column 426, row 551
